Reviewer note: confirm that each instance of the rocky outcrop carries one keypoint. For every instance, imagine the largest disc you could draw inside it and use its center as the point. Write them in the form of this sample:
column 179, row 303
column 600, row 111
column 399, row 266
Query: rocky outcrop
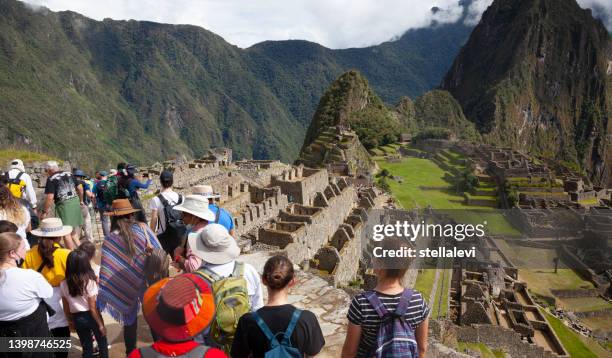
column 535, row 75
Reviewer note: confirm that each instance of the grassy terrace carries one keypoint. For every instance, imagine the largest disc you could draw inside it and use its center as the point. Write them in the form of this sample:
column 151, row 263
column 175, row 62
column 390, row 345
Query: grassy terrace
column 424, row 282
column 439, row 307
column 575, row 344
column 7, row 155
column 483, row 350
column 425, row 183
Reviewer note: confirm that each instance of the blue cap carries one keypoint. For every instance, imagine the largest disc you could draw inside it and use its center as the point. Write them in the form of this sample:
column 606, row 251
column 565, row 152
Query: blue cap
column 103, row 173
column 79, row 173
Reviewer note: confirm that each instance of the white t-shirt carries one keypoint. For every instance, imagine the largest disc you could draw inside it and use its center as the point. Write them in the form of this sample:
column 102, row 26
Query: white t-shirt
column 79, row 303
column 21, row 227
column 155, row 204
column 20, row 293
column 254, row 286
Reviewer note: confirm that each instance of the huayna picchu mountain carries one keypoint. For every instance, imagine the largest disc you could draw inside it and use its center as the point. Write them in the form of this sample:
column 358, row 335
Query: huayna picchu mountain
column 96, row 92
column 537, row 75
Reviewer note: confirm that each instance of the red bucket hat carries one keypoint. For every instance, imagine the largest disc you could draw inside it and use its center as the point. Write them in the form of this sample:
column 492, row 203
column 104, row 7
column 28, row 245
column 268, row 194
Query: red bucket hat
column 179, row 308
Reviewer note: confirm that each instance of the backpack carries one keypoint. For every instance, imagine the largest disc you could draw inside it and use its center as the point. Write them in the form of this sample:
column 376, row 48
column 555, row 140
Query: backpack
column 284, row 348
column 197, row 352
column 156, row 263
column 101, row 188
column 231, row 302
column 395, row 336
column 16, row 185
column 174, row 229
column 113, row 191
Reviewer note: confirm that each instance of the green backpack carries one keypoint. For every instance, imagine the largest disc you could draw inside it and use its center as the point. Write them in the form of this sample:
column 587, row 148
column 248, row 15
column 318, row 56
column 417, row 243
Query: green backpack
column 231, row 303
column 112, row 191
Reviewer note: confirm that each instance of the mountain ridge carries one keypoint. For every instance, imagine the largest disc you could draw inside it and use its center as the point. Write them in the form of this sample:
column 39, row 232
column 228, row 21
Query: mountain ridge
column 96, row 92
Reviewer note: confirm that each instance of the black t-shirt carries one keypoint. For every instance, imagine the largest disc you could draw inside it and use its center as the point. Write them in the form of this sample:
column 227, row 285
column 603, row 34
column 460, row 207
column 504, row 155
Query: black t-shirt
column 307, row 335
column 62, row 185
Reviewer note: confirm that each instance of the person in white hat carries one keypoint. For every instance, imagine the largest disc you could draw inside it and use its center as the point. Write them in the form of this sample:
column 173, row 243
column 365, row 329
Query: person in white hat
column 218, row 251
column 49, row 258
column 196, row 215
column 17, row 172
column 222, row 216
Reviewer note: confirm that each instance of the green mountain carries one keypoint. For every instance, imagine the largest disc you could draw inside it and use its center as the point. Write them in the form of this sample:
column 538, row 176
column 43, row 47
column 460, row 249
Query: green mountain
column 350, row 102
column 96, row 92
column 435, row 111
column 537, row 75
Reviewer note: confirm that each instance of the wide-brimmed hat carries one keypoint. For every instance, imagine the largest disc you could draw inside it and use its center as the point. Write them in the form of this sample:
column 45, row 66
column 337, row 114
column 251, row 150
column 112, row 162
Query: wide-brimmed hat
column 121, row 207
column 179, row 308
column 214, row 245
column 205, row 191
column 17, row 164
column 52, row 227
column 196, row 205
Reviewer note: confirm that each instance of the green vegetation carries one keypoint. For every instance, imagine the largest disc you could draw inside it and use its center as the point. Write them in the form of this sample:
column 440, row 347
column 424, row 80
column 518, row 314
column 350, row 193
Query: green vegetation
column 485, row 352
column 97, row 92
column 343, row 104
column 424, row 282
column 570, row 339
column 439, row 307
column 584, row 304
column 6, row 155
column 498, row 80
column 426, row 183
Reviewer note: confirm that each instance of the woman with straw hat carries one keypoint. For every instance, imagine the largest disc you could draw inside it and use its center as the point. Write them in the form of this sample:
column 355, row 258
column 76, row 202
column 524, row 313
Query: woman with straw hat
column 122, row 274
column 49, row 258
column 177, row 310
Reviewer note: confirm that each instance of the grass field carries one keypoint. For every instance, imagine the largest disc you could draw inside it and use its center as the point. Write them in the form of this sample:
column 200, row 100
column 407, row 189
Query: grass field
column 585, row 304
column 598, row 324
column 7, row 155
column 575, row 344
column 417, row 173
column 439, row 307
column 424, row 282
column 485, row 352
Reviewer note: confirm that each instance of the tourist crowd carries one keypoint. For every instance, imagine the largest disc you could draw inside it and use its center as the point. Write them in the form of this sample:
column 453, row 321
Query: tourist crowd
column 213, row 306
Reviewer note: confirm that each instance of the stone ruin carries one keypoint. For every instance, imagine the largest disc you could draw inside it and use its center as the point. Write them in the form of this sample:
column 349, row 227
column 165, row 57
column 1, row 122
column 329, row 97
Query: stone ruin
column 488, row 298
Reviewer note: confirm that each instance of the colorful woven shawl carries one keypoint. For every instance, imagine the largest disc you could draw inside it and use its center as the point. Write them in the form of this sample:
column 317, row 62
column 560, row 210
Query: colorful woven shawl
column 122, row 282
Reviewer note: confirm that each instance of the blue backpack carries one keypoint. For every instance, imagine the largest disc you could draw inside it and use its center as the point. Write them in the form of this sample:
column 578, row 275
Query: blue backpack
column 395, row 336
column 284, row 348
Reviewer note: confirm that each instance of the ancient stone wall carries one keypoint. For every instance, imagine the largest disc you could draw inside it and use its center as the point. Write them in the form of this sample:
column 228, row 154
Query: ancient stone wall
column 301, row 184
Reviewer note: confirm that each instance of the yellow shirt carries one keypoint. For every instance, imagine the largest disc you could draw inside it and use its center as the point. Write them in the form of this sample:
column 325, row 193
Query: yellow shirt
column 54, row 275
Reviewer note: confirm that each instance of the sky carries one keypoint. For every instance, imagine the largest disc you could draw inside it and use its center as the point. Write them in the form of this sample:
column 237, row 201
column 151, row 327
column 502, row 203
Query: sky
column 331, row 23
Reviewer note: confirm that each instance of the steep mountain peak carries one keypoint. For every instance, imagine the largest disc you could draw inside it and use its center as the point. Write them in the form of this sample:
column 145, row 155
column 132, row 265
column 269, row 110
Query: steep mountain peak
column 350, row 102
column 533, row 75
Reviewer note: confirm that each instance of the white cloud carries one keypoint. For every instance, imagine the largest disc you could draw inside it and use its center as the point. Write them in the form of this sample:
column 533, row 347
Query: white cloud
column 601, row 9
column 332, row 23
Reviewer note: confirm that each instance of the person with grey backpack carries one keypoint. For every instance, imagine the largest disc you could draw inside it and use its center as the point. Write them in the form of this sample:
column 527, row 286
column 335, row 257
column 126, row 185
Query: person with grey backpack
column 278, row 329
column 391, row 320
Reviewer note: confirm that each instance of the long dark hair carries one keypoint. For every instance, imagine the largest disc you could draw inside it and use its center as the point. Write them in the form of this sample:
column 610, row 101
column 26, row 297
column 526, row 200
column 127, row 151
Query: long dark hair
column 278, row 272
column 78, row 272
column 124, row 225
column 46, row 248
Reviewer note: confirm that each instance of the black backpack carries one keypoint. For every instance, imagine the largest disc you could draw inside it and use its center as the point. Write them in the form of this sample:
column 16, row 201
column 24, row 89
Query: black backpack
column 174, row 228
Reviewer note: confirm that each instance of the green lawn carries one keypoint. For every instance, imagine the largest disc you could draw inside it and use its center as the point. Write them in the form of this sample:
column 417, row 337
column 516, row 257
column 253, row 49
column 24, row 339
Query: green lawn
column 417, row 173
column 541, row 281
column 485, row 352
column 7, row 155
column 439, row 309
column 572, row 341
column 424, row 282
column 584, row 304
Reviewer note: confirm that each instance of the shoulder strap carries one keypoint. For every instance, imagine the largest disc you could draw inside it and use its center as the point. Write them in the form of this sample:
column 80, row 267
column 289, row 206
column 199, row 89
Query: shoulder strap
column 265, row 329
column 41, row 267
column 163, row 200
column 404, row 302
column 18, row 177
column 218, row 214
column 180, row 201
column 209, row 274
column 376, row 303
column 238, row 269
column 289, row 331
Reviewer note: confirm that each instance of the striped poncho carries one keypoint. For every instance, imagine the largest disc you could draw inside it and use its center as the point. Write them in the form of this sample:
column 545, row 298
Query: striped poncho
column 122, row 283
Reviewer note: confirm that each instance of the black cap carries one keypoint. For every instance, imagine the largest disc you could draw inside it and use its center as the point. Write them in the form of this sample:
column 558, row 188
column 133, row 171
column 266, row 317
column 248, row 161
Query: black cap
column 166, row 175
